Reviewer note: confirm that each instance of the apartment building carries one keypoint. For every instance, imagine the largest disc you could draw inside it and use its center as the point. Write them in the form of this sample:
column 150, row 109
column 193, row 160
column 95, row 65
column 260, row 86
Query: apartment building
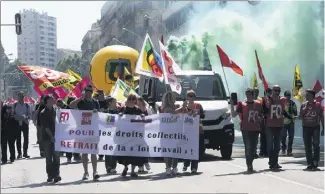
column 37, row 45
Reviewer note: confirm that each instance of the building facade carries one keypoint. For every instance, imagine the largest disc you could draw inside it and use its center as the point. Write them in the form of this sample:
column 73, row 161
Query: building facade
column 62, row 54
column 37, row 45
column 124, row 23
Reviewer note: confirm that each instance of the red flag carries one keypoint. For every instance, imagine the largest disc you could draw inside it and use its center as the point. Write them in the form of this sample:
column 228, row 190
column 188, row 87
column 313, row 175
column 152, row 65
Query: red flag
column 260, row 72
column 162, row 39
column 318, row 88
column 77, row 91
column 227, row 62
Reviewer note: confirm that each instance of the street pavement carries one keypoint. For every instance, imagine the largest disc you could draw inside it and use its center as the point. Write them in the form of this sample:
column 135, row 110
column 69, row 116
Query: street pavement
column 215, row 176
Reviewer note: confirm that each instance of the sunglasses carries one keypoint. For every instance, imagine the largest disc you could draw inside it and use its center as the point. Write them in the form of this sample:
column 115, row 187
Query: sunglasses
column 191, row 95
column 132, row 99
column 277, row 90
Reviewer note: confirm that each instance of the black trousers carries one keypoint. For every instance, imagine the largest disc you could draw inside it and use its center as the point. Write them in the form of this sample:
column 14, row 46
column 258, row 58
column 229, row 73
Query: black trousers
column 311, row 137
column 110, row 162
column 75, row 155
column 250, row 139
column 23, row 129
column 39, row 138
column 263, row 143
column 288, row 130
column 52, row 159
column 195, row 163
column 8, row 140
column 273, row 137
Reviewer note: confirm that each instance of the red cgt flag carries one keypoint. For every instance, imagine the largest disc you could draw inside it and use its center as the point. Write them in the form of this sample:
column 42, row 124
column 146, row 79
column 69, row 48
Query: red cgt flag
column 318, row 88
column 227, row 62
column 260, row 72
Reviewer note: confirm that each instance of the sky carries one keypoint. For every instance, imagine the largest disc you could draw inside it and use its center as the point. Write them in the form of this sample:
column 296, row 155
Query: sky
column 74, row 19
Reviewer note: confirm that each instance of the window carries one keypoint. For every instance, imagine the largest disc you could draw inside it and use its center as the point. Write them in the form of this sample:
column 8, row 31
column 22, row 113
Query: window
column 42, row 53
column 41, row 27
column 42, row 59
column 42, row 37
column 42, row 43
column 51, row 60
column 50, row 39
column 42, row 32
column 31, row 59
column 51, row 44
column 42, row 48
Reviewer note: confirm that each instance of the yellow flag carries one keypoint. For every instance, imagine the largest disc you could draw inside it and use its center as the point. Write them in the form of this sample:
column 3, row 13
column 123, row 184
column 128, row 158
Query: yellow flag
column 121, row 91
column 70, row 72
column 297, row 85
column 254, row 83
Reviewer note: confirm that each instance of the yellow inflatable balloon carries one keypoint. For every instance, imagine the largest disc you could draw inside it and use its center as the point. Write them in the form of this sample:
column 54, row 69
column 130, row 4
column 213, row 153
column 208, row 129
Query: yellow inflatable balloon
column 111, row 63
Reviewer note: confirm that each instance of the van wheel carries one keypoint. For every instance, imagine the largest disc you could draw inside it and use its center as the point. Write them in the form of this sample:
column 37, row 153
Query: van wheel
column 226, row 151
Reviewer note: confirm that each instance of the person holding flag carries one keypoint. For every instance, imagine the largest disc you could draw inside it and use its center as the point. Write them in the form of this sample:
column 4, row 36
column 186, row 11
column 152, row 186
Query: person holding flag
column 312, row 115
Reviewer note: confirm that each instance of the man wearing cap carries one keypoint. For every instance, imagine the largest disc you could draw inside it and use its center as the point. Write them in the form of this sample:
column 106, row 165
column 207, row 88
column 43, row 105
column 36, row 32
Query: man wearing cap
column 86, row 102
column 289, row 124
column 22, row 113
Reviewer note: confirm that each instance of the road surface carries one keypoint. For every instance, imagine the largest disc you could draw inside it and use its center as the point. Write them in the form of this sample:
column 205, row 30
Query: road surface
column 216, row 176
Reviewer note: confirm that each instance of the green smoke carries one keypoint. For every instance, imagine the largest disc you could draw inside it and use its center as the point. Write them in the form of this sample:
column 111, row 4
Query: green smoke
column 283, row 33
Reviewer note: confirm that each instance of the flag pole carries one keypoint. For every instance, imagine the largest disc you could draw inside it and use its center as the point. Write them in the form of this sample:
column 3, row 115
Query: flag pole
column 225, row 79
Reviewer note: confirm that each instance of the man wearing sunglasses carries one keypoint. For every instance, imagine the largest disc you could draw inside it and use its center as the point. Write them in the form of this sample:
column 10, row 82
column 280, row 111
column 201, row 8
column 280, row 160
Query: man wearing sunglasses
column 274, row 111
column 250, row 113
column 86, row 102
column 289, row 124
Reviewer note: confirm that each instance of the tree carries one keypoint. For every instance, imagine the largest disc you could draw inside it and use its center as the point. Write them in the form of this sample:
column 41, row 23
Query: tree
column 73, row 63
column 14, row 77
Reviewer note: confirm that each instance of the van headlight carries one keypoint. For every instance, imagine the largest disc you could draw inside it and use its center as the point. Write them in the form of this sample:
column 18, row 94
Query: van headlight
column 226, row 115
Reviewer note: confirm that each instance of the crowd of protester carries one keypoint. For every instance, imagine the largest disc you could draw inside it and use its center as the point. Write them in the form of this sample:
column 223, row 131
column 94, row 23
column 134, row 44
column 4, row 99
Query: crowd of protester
column 270, row 117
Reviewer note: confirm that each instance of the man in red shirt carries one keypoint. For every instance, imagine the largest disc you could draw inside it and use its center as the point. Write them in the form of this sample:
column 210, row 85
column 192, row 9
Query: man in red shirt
column 250, row 113
column 312, row 115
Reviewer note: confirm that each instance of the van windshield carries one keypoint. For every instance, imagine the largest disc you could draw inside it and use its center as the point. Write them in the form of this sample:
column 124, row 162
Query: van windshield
column 206, row 87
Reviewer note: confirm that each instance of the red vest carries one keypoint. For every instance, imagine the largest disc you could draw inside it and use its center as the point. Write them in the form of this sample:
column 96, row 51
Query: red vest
column 250, row 116
column 274, row 117
column 311, row 114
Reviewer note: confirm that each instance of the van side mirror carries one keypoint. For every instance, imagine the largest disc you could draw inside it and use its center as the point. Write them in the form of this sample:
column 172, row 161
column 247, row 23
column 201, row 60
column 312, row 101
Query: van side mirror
column 233, row 97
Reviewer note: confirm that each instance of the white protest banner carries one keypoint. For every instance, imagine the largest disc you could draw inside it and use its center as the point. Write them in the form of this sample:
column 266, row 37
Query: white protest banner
column 163, row 135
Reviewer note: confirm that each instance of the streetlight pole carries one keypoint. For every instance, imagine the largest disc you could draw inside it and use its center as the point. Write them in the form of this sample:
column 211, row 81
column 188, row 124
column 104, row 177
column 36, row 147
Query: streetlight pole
column 135, row 34
column 114, row 39
column 157, row 21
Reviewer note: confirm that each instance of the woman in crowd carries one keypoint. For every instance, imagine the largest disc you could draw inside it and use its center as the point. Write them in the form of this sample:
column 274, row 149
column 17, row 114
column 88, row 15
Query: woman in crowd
column 8, row 133
column 131, row 109
column 168, row 106
column 195, row 109
column 111, row 161
column 142, row 106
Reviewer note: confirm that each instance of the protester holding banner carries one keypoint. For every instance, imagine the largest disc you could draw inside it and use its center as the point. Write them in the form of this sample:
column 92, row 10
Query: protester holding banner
column 250, row 113
column 142, row 106
column 103, row 105
column 22, row 112
column 86, row 102
column 47, row 118
column 195, row 109
column 131, row 109
column 8, row 133
column 168, row 106
column 76, row 156
column 312, row 115
column 256, row 92
column 111, row 161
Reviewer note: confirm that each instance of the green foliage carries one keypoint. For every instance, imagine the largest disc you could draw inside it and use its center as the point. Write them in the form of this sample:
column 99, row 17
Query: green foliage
column 72, row 62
